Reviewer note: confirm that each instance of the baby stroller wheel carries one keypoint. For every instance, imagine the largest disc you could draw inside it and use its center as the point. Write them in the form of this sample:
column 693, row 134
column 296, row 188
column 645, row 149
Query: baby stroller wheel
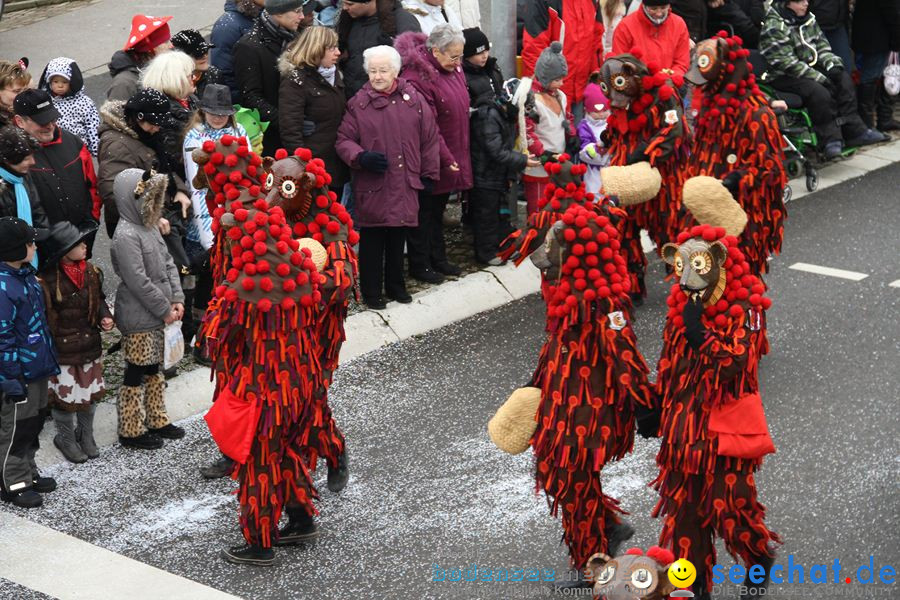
column 812, row 179
column 787, row 194
column 793, row 168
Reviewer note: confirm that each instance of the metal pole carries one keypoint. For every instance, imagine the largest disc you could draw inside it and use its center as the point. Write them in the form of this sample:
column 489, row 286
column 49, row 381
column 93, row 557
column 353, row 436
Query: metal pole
column 499, row 22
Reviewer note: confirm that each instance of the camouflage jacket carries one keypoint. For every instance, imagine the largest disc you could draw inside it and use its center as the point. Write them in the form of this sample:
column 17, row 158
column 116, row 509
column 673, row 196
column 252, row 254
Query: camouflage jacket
column 795, row 46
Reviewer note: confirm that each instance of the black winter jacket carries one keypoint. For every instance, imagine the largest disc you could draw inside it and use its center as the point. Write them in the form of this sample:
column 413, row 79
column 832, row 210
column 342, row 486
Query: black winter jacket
column 876, row 26
column 831, row 14
column 66, row 190
column 8, row 202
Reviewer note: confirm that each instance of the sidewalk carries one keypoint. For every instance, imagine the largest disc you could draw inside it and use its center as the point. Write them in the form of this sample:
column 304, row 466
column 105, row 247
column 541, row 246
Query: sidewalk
column 368, row 330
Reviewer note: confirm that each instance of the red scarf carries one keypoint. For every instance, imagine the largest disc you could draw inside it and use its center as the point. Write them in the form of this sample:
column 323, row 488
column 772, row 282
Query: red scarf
column 75, row 271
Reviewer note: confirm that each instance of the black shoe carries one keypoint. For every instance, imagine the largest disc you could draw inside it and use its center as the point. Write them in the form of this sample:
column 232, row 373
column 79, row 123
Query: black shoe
column 885, row 126
column 43, row 485
column 249, row 555
column 616, row 535
column 758, row 590
column 169, row 432
column 402, row 297
column 375, row 303
column 427, row 276
column 832, row 150
column 339, row 475
column 26, row 499
column 218, row 469
column 869, row 136
column 448, row 269
column 300, row 528
column 147, row 441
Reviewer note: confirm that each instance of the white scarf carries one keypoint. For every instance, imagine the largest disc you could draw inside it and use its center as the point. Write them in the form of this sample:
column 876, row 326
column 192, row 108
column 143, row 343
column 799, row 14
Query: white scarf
column 328, row 73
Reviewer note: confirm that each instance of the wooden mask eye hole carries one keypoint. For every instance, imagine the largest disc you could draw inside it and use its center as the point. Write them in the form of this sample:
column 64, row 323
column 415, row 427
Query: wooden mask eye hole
column 701, row 263
column 679, row 266
column 604, row 87
column 619, row 82
column 270, row 180
column 288, row 187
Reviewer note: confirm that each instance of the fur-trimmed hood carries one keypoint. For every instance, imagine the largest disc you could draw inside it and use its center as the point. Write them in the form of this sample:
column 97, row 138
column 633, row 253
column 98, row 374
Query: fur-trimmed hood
column 286, row 67
column 112, row 116
column 411, row 46
column 140, row 196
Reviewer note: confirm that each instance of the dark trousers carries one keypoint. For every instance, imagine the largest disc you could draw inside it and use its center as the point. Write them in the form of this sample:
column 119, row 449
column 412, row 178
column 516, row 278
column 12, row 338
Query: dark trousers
column 425, row 242
column 484, row 210
column 834, row 114
column 20, row 427
column 381, row 260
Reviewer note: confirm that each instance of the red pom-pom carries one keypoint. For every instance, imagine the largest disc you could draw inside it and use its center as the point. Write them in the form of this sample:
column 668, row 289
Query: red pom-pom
column 231, row 295
column 248, row 284
column 259, row 248
column 281, row 154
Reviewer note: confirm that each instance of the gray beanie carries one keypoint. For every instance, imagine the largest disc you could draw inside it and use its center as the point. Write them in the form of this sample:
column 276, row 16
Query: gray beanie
column 551, row 65
column 277, row 7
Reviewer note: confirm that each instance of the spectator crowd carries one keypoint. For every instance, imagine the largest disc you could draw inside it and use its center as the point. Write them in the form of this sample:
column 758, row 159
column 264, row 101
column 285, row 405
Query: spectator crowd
column 406, row 107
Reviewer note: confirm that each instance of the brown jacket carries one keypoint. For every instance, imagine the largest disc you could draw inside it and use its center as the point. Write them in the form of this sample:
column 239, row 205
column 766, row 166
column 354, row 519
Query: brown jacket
column 305, row 95
column 74, row 314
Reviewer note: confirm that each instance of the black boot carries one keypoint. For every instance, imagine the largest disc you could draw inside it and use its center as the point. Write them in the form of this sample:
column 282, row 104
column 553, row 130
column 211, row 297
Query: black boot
column 26, row 499
column 865, row 101
column 222, row 467
column 757, row 590
column 43, row 485
column 339, row 475
column 300, row 528
column 616, row 535
column 246, row 554
column 884, row 110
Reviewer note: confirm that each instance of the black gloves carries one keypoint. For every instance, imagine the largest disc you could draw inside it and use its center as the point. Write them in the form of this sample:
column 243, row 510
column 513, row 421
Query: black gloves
column 732, row 182
column 427, row 185
column 647, row 421
column 309, row 128
column 694, row 330
column 373, row 161
column 605, row 137
column 637, row 155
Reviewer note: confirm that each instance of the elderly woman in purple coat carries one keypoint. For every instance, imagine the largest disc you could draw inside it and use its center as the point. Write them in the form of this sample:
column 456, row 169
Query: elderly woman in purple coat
column 432, row 65
column 390, row 140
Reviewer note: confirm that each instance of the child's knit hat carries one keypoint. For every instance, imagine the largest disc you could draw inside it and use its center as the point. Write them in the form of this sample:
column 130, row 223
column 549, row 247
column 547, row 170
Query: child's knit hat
column 551, row 65
column 595, row 99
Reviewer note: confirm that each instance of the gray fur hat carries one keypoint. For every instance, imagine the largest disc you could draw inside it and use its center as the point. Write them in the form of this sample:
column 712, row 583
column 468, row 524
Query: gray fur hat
column 551, row 64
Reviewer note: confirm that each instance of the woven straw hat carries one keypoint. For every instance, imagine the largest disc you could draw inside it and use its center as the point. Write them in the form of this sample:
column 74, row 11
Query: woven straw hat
column 514, row 424
column 632, row 184
column 319, row 254
column 711, row 203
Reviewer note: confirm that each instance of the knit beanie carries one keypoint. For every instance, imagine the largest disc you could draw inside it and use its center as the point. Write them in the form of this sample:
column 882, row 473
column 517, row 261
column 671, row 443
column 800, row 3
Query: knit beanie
column 277, row 7
column 476, row 42
column 15, row 145
column 594, row 98
column 551, row 65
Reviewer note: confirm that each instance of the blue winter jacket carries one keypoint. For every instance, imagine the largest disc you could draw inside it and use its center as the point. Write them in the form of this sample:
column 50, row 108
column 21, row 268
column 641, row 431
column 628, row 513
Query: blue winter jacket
column 26, row 348
column 227, row 30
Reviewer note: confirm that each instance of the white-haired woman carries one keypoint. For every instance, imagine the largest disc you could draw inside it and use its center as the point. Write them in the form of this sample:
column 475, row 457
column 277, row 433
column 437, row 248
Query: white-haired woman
column 432, row 65
column 389, row 138
column 172, row 74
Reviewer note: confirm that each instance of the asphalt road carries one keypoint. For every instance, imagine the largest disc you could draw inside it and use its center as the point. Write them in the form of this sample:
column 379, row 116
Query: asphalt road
column 429, row 492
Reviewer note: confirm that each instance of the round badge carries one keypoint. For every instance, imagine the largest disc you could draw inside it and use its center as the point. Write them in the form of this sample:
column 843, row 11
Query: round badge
column 731, row 158
column 406, row 97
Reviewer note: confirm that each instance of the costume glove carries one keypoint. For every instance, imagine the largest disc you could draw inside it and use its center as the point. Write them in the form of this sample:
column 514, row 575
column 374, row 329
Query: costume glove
column 694, row 330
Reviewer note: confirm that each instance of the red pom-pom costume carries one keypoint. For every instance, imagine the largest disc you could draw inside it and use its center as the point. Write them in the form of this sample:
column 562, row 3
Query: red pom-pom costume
column 647, row 124
column 737, row 132
column 590, row 373
column 263, row 330
column 713, row 428
column 298, row 185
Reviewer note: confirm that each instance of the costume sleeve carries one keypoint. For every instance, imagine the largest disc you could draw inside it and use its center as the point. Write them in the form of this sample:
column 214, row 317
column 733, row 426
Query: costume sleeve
column 10, row 367
column 663, row 143
column 727, row 352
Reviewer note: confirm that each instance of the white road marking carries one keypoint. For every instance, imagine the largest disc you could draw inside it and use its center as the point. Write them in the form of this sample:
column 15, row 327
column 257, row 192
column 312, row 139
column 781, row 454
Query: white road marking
column 67, row 568
column 895, row 284
column 819, row 270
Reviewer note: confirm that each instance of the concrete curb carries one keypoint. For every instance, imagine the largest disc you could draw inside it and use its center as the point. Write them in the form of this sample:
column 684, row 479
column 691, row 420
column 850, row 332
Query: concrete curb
column 190, row 393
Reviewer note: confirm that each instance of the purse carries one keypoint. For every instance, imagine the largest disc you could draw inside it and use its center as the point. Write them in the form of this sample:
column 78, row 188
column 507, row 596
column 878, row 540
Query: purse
column 892, row 75
column 232, row 422
column 741, row 428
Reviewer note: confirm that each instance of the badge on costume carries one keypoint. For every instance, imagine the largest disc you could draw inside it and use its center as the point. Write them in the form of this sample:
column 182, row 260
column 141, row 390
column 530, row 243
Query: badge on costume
column 731, row 159
column 617, row 320
column 406, row 97
column 754, row 320
column 671, row 116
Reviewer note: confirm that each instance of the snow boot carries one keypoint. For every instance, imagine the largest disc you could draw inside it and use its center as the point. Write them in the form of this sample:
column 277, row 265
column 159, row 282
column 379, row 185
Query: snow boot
column 64, row 440
column 84, row 432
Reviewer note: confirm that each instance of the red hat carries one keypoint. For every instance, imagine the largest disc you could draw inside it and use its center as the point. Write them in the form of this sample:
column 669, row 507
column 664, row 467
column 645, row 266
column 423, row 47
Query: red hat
column 147, row 33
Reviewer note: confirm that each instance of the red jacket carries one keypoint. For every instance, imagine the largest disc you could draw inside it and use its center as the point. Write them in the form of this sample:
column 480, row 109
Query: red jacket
column 575, row 23
column 667, row 45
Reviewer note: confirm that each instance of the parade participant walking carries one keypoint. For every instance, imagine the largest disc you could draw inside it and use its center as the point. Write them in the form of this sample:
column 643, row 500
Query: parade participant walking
column 28, row 361
column 590, row 377
column 737, row 138
column 148, row 298
column 388, row 118
column 713, row 428
column 431, row 64
column 77, row 112
column 76, row 312
column 149, row 37
column 263, row 394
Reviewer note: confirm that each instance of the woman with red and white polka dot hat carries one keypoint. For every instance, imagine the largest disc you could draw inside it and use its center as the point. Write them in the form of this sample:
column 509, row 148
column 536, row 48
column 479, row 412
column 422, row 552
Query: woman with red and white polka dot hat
column 149, row 37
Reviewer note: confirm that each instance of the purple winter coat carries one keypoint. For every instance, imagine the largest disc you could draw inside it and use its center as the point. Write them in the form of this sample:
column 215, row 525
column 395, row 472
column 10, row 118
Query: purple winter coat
column 400, row 126
column 448, row 96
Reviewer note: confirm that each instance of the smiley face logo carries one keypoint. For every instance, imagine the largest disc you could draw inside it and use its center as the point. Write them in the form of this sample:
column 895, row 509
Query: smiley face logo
column 682, row 573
